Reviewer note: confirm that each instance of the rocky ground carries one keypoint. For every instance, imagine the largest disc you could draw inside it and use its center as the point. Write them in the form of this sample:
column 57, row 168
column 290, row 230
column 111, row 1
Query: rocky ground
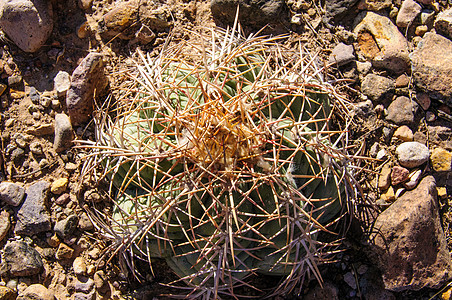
column 56, row 56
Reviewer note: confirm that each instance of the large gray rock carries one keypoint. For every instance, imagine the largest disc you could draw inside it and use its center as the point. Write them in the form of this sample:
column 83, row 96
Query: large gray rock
column 335, row 9
column 27, row 23
column 409, row 243
column 21, row 259
column 386, row 47
column 255, row 13
column 32, row 216
column 88, row 80
column 429, row 68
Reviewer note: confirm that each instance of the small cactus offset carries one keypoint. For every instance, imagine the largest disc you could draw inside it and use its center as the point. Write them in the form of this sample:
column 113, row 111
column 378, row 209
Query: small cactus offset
column 223, row 162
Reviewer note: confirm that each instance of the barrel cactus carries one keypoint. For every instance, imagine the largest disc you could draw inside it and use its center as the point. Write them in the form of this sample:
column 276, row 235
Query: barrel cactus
column 222, row 160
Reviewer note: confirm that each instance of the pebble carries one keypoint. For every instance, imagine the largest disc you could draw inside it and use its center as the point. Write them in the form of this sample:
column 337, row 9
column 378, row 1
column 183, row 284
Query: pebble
column 21, row 259
column 427, row 16
column 36, row 148
column 413, row 180
column 342, row 54
column 5, row 224
column 404, row 133
column 17, row 154
column 32, row 216
column 7, row 293
column 27, row 23
column 79, row 266
column 382, row 154
column 36, row 291
column 429, row 71
column 64, row 252
column 61, row 83
column 389, row 196
column 11, row 193
column 34, row 95
column 63, row 199
column 349, row 278
column 412, row 154
column 399, row 175
column 15, row 81
column 53, row 241
column 384, row 178
column 377, row 87
column 63, row 133
column 380, row 41
column 402, row 81
column 85, row 223
column 83, row 296
column 402, row 111
column 66, row 227
column 443, row 23
column 88, row 78
column 407, row 13
column 430, row 116
column 441, row 160
column 59, row 186
column 421, row 30
column 442, row 192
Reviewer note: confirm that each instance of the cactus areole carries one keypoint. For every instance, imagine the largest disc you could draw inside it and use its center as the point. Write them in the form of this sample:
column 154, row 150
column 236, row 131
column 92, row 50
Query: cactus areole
column 222, row 161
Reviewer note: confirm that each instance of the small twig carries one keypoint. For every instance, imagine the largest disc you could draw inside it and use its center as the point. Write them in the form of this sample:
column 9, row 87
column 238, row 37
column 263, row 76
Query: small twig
column 36, row 171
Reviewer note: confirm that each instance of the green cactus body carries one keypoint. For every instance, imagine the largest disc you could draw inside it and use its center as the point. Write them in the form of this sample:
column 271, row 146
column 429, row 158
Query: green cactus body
column 223, row 164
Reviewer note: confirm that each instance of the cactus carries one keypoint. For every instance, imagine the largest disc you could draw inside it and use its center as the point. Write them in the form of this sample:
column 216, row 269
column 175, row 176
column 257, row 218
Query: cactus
column 223, row 162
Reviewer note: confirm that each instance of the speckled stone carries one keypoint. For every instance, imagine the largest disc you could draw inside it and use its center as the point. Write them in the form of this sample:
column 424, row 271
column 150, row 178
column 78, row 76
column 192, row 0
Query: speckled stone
column 441, row 160
column 412, row 154
column 404, row 133
column 399, row 175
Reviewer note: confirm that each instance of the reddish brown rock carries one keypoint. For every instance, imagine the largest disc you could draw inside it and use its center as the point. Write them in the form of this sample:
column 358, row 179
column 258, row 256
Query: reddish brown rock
column 409, row 243
column 399, row 175
column 88, row 81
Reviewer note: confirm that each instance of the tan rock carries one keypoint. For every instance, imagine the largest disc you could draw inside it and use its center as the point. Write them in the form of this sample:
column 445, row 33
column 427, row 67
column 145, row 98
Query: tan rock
column 404, row 133
column 7, row 293
column 441, row 160
column 64, row 252
column 384, row 180
column 59, row 186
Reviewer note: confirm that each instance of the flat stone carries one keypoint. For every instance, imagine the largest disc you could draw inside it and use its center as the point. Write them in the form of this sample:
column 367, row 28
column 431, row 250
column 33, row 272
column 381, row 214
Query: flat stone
column 423, row 100
column 63, row 199
column 413, row 179
column 7, row 294
column 412, row 154
column 59, row 186
column 399, row 175
column 342, row 54
column 443, row 23
column 407, row 13
column 88, row 80
column 253, row 13
column 380, row 41
column 441, row 160
column 61, row 83
column 11, row 193
column 349, row 278
column 429, row 71
column 64, row 252
column 404, row 133
column 21, row 259
column 402, row 111
column 66, row 227
column 384, row 180
column 32, row 216
column 27, row 23
column 63, row 133
column 36, row 292
column 377, row 88
column 410, row 247
column 5, row 224
column 440, row 134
